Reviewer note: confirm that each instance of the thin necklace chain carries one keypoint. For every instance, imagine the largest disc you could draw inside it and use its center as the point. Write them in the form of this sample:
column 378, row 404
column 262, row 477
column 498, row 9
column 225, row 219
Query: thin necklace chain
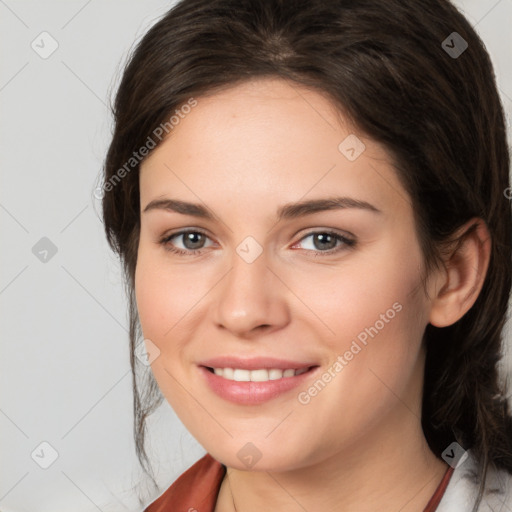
column 231, row 492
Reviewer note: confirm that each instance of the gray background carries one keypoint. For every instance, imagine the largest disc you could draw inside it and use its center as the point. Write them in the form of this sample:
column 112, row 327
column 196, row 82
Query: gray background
column 64, row 371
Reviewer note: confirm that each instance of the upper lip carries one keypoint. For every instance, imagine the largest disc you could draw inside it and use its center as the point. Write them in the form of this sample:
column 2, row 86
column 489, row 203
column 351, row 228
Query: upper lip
column 254, row 363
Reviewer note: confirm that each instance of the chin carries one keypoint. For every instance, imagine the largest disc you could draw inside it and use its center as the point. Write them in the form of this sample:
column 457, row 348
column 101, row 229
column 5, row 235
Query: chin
column 248, row 456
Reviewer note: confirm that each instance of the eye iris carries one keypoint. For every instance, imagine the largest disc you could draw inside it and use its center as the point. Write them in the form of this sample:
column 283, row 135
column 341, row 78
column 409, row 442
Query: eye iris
column 324, row 238
column 194, row 239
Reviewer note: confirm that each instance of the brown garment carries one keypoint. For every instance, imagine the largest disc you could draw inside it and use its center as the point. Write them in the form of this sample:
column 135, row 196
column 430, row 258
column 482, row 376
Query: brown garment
column 197, row 489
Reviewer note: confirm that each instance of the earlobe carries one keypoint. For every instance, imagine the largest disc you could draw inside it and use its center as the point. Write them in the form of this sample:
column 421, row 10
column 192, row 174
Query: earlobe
column 466, row 266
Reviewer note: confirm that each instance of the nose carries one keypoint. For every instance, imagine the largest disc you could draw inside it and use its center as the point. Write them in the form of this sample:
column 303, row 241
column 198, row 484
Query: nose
column 251, row 299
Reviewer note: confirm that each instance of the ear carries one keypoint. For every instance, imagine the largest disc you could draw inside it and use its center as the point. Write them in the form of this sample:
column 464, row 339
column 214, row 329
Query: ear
column 465, row 266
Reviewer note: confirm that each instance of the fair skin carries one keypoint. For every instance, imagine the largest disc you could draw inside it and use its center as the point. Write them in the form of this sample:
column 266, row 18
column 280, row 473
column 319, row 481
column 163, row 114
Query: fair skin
column 358, row 444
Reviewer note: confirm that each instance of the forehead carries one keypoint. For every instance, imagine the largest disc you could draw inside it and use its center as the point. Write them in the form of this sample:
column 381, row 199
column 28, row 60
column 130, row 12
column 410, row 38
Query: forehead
column 267, row 138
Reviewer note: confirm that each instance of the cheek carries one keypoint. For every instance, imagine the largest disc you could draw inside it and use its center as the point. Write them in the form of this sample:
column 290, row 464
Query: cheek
column 376, row 313
column 360, row 299
column 375, row 376
column 170, row 303
column 151, row 297
column 163, row 298
column 162, row 306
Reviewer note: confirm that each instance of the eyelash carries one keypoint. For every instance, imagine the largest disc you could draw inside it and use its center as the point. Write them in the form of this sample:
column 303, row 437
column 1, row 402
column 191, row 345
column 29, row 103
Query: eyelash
column 347, row 243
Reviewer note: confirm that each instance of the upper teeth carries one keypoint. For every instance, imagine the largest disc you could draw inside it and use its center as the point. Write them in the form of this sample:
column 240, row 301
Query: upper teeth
column 256, row 375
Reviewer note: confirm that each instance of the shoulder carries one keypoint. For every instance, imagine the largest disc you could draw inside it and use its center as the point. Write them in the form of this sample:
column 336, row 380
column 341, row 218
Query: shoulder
column 196, row 489
column 461, row 492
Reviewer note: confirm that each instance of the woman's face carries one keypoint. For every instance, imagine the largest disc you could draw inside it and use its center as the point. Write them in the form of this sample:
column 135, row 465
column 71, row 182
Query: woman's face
column 272, row 275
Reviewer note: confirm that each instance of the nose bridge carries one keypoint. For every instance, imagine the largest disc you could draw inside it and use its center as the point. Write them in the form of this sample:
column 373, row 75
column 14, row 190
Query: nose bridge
column 250, row 296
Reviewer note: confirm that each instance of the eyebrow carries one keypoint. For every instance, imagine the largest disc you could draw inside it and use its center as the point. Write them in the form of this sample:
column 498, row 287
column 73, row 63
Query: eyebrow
column 287, row 211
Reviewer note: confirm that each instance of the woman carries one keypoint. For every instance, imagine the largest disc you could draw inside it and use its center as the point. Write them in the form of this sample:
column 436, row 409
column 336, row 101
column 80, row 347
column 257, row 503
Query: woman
column 308, row 201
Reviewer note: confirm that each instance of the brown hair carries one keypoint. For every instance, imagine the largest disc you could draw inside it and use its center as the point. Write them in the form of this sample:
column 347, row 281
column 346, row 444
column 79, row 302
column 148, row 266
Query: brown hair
column 385, row 66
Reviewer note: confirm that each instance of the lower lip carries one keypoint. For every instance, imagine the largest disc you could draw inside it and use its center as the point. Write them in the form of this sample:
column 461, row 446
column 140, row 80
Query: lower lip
column 253, row 393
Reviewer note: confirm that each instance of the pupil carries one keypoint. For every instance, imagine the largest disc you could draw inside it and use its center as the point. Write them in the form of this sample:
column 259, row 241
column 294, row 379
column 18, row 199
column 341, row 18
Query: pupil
column 324, row 238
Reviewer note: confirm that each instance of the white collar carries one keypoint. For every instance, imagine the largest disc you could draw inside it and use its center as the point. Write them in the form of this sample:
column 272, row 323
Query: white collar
column 462, row 490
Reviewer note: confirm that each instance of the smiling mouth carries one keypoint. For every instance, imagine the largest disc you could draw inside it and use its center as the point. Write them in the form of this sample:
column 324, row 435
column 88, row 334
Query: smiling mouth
column 257, row 375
